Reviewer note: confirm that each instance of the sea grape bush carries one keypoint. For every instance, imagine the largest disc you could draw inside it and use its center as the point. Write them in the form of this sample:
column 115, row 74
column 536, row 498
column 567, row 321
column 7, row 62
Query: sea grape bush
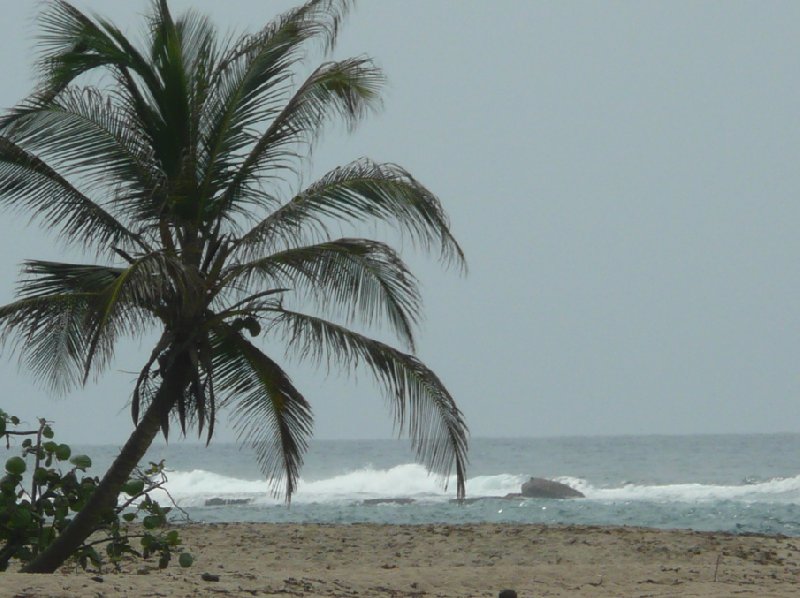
column 46, row 484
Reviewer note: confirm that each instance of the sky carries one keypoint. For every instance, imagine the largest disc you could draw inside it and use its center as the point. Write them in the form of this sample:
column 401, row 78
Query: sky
column 623, row 177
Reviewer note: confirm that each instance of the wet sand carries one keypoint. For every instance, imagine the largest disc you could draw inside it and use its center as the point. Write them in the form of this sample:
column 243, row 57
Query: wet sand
column 368, row 560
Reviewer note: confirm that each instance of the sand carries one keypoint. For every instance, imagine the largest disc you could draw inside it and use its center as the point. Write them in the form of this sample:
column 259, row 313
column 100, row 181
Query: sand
column 368, row 560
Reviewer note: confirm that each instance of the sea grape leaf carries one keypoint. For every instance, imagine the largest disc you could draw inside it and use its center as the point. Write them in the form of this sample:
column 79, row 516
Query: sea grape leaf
column 83, row 462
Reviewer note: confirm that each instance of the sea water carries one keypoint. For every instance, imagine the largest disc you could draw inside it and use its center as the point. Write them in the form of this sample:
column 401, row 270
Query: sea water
column 736, row 483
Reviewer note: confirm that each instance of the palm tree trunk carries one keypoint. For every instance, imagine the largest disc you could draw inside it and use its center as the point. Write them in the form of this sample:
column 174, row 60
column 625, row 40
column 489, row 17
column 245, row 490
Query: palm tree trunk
column 105, row 495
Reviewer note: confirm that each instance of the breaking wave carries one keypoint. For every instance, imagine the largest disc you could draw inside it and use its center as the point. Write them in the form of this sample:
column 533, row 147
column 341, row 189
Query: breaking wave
column 195, row 488
column 776, row 490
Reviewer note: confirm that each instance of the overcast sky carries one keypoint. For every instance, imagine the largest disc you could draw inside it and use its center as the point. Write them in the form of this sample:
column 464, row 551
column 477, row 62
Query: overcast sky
column 623, row 176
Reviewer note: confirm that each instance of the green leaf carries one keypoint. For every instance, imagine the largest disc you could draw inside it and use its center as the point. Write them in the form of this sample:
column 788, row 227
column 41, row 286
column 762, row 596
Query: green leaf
column 63, row 452
column 47, row 432
column 83, row 462
column 62, row 510
column 89, row 554
column 20, row 518
column 163, row 561
column 8, row 483
column 173, row 539
column 40, row 475
column 185, row 560
column 50, row 446
column 129, row 517
column 152, row 522
column 16, row 465
column 133, row 487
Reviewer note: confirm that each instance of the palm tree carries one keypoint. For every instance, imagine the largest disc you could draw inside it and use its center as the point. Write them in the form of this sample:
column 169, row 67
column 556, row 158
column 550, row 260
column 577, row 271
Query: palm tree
column 173, row 162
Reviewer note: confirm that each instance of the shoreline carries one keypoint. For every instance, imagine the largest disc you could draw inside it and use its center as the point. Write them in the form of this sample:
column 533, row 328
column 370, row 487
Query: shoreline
column 442, row 560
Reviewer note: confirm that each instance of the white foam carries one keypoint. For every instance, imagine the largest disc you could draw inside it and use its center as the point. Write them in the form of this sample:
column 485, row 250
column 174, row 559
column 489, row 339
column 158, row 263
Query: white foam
column 776, row 490
column 193, row 488
column 407, row 480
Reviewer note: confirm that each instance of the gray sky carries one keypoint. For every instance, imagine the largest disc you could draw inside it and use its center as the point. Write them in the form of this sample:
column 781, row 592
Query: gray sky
column 623, row 177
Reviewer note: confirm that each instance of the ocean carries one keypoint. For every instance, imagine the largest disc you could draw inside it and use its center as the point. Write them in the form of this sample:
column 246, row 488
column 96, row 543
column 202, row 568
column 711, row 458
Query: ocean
column 734, row 483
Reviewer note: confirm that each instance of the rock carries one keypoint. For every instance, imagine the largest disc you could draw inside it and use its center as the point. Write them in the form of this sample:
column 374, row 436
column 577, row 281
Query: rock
column 541, row 488
column 224, row 502
column 472, row 499
column 209, row 577
column 371, row 502
column 507, row 594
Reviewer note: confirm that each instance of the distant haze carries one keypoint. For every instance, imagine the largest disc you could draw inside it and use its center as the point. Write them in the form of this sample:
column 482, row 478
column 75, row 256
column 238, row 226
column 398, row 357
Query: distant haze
column 623, row 176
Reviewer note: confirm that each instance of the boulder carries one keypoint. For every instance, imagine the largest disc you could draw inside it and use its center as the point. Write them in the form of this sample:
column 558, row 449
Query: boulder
column 224, row 502
column 473, row 499
column 371, row 502
column 541, row 488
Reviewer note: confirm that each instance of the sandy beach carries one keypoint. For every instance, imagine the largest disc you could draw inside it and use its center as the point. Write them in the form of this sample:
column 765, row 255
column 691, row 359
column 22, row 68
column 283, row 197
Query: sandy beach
column 444, row 561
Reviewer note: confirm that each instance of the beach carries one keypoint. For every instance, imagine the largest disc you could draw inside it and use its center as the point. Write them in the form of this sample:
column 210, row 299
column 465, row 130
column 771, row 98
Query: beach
column 443, row 561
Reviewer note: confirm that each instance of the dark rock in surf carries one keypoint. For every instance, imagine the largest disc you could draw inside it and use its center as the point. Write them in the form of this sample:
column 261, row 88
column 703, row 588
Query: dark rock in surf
column 224, row 502
column 541, row 488
column 371, row 502
column 473, row 499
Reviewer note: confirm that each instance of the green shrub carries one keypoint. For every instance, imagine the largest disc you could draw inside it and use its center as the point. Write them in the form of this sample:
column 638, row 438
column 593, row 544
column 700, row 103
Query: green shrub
column 35, row 508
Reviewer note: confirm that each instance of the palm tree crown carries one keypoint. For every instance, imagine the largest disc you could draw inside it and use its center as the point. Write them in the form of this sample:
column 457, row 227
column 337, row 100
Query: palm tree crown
column 170, row 160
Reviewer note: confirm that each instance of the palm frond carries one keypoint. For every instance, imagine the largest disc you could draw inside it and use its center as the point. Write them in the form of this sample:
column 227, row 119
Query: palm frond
column 192, row 406
column 83, row 134
column 316, row 19
column 348, row 89
column 172, row 133
column 73, row 44
column 360, row 191
column 363, row 280
column 56, row 278
column 136, row 297
column 269, row 413
column 121, row 301
column 50, row 334
column 58, row 316
column 28, row 183
column 417, row 396
column 144, row 391
column 326, row 17
column 247, row 90
column 198, row 37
